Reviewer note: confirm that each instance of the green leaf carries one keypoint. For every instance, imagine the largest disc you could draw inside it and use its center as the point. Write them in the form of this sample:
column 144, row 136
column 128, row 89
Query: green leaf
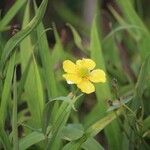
column 26, row 47
column 17, row 38
column 62, row 98
column 4, row 139
column 69, row 132
column 122, row 22
column 23, row 79
column 31, row 139
column 74, row 145
column 33, row 85
column 132, row 17
column 59, row 122
column 14, row 115
column 58, row 52
column 94, row 129
column 45, row 55
column 69, row 16
column 11, row 13
column 48, row 113
column 35, row 95
column 146, row 124
column 72, row 132
column 143, row 78
column 5, row 97
column 91, row 143
column 102, row 91
column 77, row 38
column 6, row 90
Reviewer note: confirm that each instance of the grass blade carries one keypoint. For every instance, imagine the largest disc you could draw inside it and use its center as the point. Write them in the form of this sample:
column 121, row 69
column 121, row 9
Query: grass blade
column 102, row 90
column 94, row 129
column 34, row 92
column 4, row 102
column 4, row 139
column 44, row 52
column 132, row 17
column 6, row 90
column 30, row 139
column 14, row 115
column 142, row 82
column 58, row 52
column 91, row 143
column 17, row 38
column 11, row 13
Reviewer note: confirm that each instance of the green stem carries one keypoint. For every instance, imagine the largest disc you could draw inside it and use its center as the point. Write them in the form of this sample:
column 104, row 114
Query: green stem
column 124, row 105
column 63, row 115
column 57, row 125
column 14, row 121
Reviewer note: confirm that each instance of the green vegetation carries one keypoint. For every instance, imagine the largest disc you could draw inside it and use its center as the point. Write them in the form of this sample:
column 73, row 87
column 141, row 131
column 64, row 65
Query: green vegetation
column 39, row 110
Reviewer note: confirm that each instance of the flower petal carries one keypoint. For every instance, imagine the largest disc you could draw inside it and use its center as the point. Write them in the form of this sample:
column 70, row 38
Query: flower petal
column 72, row 79
column 69, row 66
column 97, row 75
column 88, row 63
column 86, row 86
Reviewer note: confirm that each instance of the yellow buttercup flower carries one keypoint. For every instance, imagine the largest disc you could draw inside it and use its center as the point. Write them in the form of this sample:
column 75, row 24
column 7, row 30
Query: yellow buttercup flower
column 82, row 74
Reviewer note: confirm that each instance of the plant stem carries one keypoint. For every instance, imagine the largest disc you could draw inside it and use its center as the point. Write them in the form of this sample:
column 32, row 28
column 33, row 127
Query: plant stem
column 14, row 121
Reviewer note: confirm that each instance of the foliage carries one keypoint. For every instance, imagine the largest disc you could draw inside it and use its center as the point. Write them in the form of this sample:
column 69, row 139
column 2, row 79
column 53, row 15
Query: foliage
column 38, row 110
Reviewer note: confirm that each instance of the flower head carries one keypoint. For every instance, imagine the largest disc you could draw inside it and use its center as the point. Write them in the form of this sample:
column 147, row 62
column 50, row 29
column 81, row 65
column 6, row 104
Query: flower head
column 82, row 74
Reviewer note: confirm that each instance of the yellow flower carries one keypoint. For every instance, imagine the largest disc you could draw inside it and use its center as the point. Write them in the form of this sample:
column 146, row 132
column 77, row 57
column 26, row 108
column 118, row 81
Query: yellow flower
column 82, row 74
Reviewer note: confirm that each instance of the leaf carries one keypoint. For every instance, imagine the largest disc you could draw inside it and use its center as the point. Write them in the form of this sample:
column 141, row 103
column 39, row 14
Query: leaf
column 102, row 91
column 146, row 124
column 17, row 38
column 132, row 17
column 58, row 52
column 4, row 139
column 102, row 123
column 4, row 102
column 77, row 38
column 74, row 145
column 59, row 122
column 35, row 95
column 121, row 28
column 92, row 131
column 26, row 47
column 30, row 139
column 33, row 85
column 37, row 137
column 11, row 13
column 62, row 98
column 14, row 115
column 48, row 113
column 23, row 79
column 122, row 22
column 143, row 78
column 72, row 132
column 6, row 90
column 46, row 58
column 91, row 143
column 69, row 16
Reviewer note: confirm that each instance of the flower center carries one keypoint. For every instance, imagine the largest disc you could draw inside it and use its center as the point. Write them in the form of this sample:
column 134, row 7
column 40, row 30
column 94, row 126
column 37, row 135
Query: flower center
column 84, row 72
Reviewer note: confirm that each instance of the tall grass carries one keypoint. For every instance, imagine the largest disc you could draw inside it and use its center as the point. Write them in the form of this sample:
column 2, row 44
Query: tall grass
column 38, row 110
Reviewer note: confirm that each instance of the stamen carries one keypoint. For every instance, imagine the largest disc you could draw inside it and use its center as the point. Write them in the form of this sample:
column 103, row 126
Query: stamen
column 84, row 72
